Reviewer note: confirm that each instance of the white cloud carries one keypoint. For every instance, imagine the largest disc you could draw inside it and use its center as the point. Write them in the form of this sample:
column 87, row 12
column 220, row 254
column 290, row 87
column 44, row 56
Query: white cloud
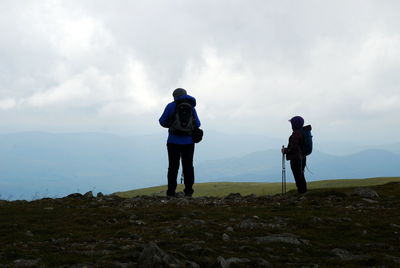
column 6, row 104
column 250, row 65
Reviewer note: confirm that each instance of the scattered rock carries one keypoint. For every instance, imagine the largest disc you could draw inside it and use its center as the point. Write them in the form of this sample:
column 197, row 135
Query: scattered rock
column 99, row 194
column 221, row 263
column 153, row 256
column 29, row 233
column 279, row 223
column 346, row 219
column 133, row 218
column 392, row 258
column 226, row 263
column 48, row 208
column 21, row 263
column 233, row 196
column 226, row 237
column 248, row 224
column 208, row 235
column 112, row 221
column 260, row 262
column 283, row 238
column 182, row 202
column 366, row 193
column 231, row 261
column 364, row 232
column 137, row 222
column 395, row 226
column 190, row 264
column 198, row 222
column 370, row 201
column 345, row 255
column 316, row 220
column 180, row 195
column 192, row 247
column 229, row 229
column 170, row 231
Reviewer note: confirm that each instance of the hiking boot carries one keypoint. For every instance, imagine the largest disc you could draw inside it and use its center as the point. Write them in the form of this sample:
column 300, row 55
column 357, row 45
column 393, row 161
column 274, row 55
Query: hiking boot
column 171, row 194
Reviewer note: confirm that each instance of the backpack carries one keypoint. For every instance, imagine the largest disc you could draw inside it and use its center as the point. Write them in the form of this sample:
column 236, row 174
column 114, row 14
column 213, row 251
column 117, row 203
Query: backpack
column 183, row 119
column 307, row 145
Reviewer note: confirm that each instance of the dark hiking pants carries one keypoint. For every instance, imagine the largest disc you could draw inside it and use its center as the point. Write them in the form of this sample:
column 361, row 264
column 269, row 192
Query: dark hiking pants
column 297, row 166
column 175, row 153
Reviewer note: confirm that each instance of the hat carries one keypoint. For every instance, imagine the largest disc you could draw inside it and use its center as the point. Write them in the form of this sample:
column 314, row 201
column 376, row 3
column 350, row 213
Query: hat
column 297, row 122
column 178, row 93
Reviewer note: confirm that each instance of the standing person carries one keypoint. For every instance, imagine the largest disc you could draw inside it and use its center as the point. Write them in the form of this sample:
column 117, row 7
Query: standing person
column 180, row 117
column 300, row 145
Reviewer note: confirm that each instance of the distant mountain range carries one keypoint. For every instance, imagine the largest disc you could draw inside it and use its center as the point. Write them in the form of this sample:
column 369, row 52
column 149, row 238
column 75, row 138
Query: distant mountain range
column 36, row 164
column 267, row 166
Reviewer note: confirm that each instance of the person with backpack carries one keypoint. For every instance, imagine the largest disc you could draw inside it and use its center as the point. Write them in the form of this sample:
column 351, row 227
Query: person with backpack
column 180, row 117
column 300, row 145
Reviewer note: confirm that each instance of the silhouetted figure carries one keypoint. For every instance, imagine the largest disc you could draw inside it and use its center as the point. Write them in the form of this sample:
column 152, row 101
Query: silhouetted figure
column 180, row 117
column 300, row 145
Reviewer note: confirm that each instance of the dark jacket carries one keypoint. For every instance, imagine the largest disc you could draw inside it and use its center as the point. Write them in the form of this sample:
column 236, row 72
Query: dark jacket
column 167, row 117
column 296, row 142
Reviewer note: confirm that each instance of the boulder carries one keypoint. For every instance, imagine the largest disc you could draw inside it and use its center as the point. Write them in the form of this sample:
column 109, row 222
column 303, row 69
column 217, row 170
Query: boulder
column 283, row 238
column 75, row 195
column 226, row 263
column 233, row 196
column 88, row 195
column 366, row 193
column 153, row 256
column 22, row 263
column 345, row 255
column 248, row 224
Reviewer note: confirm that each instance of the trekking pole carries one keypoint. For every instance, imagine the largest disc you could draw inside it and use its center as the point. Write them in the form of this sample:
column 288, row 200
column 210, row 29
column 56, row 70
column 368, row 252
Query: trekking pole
column 182, row 175
column 283, row 173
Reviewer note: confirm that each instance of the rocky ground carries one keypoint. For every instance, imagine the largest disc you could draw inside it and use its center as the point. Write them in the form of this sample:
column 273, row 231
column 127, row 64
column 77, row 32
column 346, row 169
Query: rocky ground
column 352, row 227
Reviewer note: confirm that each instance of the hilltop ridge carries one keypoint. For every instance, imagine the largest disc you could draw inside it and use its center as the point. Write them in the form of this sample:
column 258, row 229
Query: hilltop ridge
column 221, row 189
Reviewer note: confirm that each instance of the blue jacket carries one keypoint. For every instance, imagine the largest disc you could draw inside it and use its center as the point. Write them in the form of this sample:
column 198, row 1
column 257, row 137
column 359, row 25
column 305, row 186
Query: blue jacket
column 166, row 118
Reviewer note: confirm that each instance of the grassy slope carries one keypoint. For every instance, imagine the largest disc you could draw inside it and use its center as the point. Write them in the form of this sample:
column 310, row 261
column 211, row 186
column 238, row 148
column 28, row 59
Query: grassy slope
column 246, row 188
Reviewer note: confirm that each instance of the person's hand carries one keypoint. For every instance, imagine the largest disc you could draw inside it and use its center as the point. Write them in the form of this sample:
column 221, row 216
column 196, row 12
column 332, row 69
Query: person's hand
column 283, row 150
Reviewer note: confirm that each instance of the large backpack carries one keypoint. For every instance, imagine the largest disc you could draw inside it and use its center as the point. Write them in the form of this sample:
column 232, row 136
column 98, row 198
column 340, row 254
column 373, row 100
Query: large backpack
column 183, row 120
column 307, row 145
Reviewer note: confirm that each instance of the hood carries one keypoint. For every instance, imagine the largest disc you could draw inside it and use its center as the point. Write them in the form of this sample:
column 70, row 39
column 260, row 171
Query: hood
column 297, row 122
column 187, row 98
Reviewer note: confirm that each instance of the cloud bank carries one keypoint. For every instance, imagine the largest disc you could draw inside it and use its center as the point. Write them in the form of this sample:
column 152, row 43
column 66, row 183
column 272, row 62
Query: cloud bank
column 102, row 66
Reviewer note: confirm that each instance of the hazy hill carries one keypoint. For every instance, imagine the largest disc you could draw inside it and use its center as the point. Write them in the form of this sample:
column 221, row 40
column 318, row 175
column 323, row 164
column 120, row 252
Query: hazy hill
column 37, row 164
column 266, row 166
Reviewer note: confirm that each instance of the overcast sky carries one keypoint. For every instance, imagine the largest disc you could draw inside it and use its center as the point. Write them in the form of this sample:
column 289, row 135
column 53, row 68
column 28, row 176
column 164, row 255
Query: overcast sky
column 112, row 65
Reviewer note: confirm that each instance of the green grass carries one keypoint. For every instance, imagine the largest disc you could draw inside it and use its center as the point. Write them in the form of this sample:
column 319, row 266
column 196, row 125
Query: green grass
column 258, row 188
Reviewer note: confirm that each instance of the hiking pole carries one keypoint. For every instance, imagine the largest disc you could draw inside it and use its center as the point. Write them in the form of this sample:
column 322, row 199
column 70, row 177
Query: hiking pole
column 182, row 175
column 283, row 173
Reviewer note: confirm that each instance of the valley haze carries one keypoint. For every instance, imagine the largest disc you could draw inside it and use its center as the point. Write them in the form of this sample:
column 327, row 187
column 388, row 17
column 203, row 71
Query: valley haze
column 41, row 164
